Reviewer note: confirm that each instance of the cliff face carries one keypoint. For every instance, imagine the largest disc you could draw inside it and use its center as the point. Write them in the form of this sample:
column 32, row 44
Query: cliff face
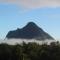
column 30, row 31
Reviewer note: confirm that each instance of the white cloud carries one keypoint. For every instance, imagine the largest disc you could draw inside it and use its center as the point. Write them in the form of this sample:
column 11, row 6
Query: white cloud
column 20, row 41
column 33, row 4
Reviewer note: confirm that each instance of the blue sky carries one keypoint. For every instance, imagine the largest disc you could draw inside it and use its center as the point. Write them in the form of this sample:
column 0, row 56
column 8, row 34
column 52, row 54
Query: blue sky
column 13, row 17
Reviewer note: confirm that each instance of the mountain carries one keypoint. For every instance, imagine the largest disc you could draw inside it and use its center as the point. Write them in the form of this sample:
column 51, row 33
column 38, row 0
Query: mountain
column 30, row 31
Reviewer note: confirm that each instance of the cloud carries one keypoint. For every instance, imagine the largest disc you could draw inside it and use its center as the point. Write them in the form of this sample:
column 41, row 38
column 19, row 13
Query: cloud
column 20, row 41
column 8, row 1
column 33, row 4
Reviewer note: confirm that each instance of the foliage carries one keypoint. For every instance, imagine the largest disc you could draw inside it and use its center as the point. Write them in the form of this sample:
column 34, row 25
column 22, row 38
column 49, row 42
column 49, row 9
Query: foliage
column 30, row 51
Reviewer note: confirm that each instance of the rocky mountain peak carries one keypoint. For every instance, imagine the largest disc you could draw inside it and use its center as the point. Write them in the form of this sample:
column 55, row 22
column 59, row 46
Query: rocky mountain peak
column 30, row 31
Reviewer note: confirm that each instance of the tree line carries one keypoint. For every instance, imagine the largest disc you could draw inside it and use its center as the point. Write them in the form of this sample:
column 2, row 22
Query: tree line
column 30, row 51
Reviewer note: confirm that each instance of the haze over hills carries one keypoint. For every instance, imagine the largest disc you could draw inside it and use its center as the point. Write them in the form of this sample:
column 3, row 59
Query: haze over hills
column 30, row 31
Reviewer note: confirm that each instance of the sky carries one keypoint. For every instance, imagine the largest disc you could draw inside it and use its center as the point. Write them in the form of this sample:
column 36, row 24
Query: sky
column 17, row 13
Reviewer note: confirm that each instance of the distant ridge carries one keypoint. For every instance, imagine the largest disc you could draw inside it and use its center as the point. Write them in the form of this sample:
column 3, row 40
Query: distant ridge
column 30, row 31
